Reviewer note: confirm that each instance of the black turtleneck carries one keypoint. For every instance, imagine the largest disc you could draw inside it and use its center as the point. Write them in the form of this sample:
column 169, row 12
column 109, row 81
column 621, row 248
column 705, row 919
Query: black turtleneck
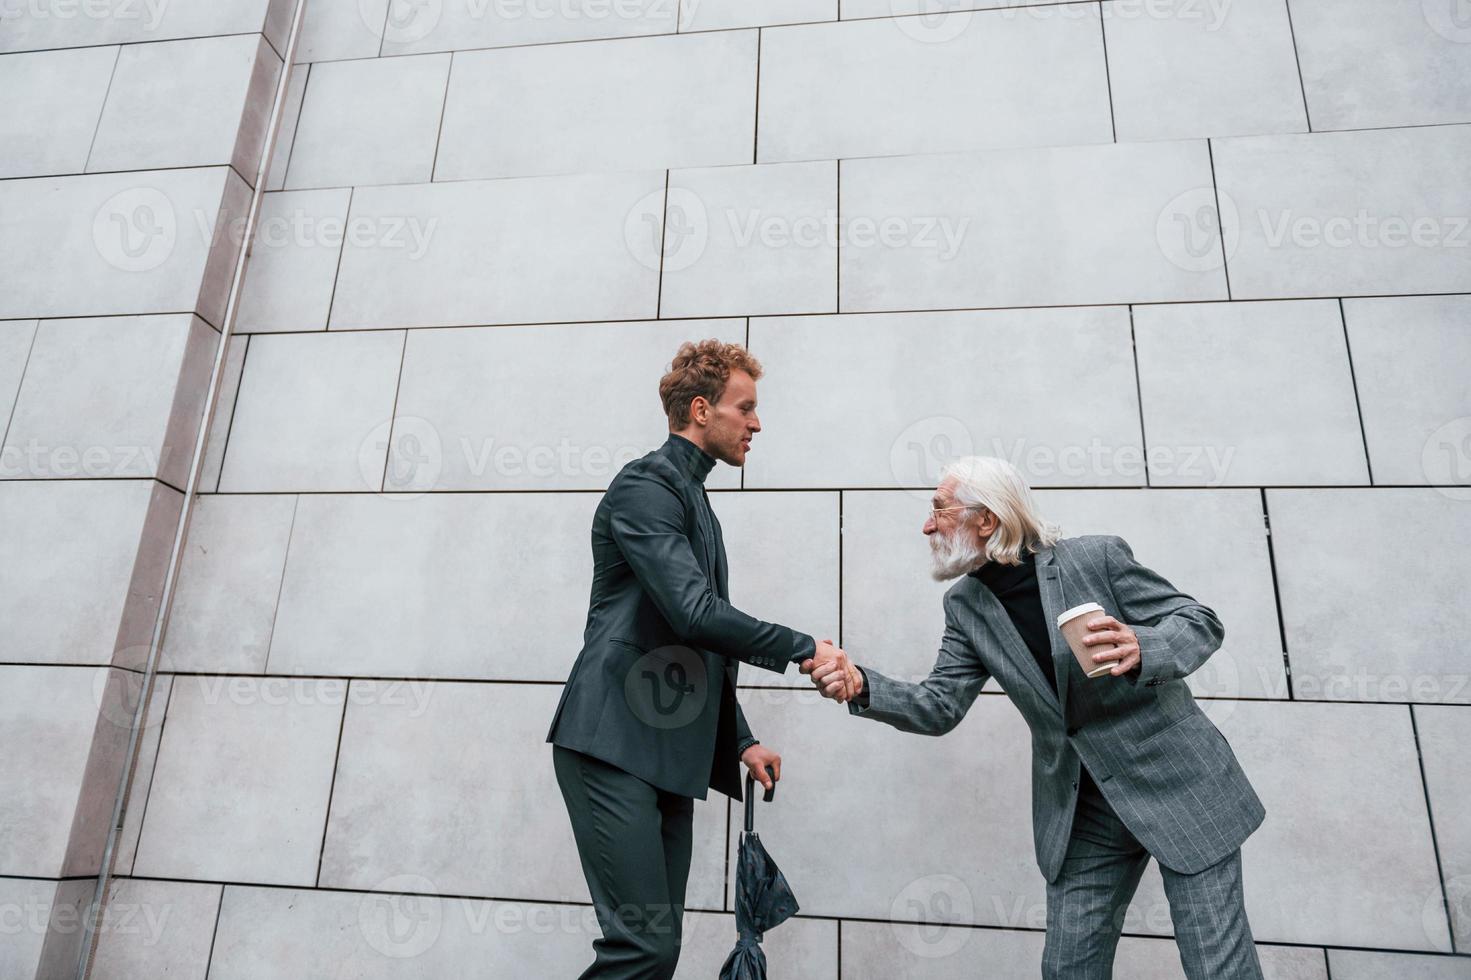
column 693, row 461
column 696, row 464
column 1016, row 587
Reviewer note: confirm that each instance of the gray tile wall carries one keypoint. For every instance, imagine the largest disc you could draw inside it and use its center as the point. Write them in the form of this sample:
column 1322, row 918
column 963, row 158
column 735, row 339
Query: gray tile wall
column 129, row 143
column 1203, row 270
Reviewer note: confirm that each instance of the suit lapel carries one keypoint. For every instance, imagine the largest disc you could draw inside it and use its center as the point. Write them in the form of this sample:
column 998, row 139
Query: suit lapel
column 722, row 586
column 1049, row 584
column 722, row 570
column 710, row 544
column 707, row 541
column 1011, row 641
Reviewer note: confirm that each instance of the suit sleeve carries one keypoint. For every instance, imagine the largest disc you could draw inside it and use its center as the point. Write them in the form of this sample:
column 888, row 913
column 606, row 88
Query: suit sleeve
column 647, row 523
column 936, row 704
column 1176, row 633
column 744, row 738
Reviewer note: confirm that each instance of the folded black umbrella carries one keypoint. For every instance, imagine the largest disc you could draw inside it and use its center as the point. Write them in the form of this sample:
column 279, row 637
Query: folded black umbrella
column 764, row 900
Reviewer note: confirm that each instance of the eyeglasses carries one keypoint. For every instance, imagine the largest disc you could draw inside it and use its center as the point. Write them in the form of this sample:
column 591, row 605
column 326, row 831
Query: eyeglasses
column 935, row 512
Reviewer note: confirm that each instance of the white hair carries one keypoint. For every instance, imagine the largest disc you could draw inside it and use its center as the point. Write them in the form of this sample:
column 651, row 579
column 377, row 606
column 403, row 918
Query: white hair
column 996, row 485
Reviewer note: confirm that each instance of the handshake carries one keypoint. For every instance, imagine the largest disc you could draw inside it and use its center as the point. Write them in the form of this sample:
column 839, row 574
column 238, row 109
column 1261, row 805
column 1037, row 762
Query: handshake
column 833, row 673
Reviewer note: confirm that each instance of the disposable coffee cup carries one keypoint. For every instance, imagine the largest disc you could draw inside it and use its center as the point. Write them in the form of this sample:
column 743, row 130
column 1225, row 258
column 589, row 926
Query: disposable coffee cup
column 1074, row 626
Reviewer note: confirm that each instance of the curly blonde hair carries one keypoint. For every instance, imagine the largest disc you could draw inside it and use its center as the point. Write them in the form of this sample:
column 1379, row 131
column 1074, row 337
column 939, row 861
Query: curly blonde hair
column 702, row 369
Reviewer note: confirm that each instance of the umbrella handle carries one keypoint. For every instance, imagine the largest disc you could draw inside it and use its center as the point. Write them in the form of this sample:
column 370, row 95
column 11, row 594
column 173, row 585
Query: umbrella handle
column 751, row 799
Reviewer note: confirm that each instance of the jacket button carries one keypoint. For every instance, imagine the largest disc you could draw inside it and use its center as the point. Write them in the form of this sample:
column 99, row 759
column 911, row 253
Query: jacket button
column 1071, row 732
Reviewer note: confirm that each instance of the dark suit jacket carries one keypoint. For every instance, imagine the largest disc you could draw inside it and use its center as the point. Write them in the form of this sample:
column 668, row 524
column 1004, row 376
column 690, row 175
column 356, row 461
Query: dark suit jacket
column 653, row 690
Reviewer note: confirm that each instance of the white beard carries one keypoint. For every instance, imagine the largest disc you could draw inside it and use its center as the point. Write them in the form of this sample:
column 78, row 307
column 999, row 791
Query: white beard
column 953, row 555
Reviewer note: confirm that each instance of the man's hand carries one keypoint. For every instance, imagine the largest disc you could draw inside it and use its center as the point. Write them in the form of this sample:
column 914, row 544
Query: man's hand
column 1106, row 629
column 833, row 674
column 757, row 758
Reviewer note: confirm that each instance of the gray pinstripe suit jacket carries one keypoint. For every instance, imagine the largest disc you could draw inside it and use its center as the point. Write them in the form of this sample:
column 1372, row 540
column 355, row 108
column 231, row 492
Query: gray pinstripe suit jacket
column 1166, row 770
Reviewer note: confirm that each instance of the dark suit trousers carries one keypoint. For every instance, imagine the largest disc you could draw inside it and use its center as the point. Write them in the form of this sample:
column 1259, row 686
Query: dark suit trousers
column 634, row 841
column 1087, row 903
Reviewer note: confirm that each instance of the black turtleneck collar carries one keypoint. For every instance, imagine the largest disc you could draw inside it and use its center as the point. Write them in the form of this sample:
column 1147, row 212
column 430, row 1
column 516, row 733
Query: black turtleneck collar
column 692, row 461
column 1017, row 589
column 998, row 577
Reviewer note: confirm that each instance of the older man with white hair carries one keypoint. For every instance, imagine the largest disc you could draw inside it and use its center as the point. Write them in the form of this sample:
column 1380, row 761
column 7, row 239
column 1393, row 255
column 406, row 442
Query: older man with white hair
column 1125, row 766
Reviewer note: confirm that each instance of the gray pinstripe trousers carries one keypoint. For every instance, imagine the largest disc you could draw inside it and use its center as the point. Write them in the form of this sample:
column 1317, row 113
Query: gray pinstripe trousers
column 1087, row 902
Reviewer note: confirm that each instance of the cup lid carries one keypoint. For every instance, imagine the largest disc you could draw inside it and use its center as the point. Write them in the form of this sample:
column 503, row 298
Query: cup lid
column 1076, row 611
